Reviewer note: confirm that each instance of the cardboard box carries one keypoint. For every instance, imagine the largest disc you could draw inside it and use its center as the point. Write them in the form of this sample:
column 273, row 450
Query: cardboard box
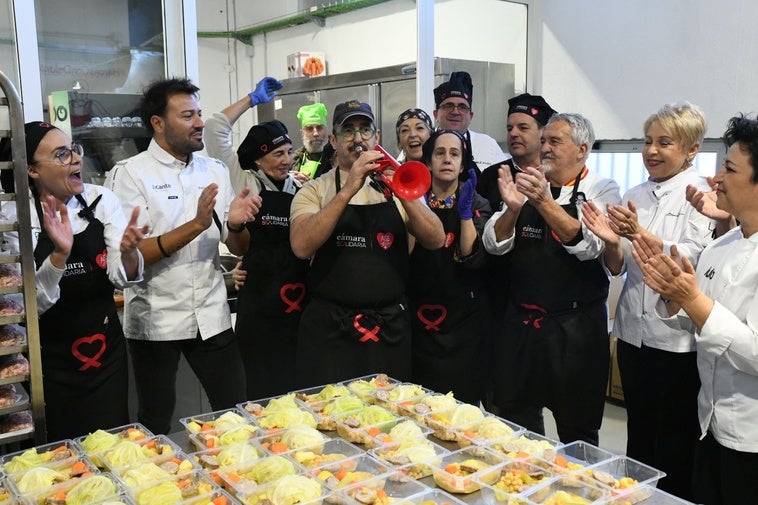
column 614, row 391
column 306, row 64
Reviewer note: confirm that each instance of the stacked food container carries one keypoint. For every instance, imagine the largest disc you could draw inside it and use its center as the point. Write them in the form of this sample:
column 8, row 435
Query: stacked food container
column 371, row 440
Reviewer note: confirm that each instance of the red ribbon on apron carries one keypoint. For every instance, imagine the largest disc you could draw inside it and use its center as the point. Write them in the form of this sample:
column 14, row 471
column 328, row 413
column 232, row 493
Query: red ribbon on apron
column 367, row 334
column 292, row 305
column 534, row 321
column 431, row 325
column 88, row 361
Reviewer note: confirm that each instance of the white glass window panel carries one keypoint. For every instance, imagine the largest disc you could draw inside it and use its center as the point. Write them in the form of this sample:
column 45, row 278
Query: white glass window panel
column 627, row 169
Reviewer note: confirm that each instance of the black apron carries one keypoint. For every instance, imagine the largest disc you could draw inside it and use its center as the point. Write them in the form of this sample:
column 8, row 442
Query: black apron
column 449, row 311
column 84, row 364
column 552, row 349
column 270, row 303
column 357, row 321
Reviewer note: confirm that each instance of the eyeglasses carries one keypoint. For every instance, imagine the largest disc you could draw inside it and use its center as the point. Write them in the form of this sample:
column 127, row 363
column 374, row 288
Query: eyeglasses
column 450, row 107
column 65, row 155
column 349, row 133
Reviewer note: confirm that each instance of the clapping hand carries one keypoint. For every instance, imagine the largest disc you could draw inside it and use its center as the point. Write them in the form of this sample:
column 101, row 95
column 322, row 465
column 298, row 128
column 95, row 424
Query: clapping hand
column 58, row 229
column 265, row 91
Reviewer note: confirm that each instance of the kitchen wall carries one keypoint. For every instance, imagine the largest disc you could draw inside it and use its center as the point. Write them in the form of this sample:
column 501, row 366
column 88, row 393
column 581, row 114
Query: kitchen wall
column 613, row 61
column 377, row 36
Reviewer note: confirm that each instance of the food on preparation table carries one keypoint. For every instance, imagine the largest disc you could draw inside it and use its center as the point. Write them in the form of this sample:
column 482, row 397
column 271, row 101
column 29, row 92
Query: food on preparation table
column 12, row 334
column 16, row 421
column 13, row 365
column 10, row 275
column 224, row 422
column 8, row 395
column 93, row 489
column 10, row 307
column 561, row 497
column 456, row 477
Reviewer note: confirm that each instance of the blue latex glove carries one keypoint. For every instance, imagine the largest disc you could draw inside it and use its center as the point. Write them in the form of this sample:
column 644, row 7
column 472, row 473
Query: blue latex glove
column 265, row 91
column 466, row 197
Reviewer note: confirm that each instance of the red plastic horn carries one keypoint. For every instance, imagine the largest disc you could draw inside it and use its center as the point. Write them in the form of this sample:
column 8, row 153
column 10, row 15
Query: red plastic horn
column 411, row 180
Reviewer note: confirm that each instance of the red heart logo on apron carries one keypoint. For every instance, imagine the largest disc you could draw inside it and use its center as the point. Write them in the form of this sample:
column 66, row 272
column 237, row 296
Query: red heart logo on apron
column 449, row 239
column 385, row 240
column 88, row 361
column 102, row 259
column 426, row 312
column 292, row 303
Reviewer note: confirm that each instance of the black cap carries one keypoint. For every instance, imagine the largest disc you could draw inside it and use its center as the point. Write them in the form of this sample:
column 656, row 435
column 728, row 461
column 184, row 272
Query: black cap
column 417, row 113
column 261, row 140
column 349, row 109
column 531, row 105
column 459, row 85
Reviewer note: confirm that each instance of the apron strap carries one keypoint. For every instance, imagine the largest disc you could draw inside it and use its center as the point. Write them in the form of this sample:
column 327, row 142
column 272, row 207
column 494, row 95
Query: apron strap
column 88, row 212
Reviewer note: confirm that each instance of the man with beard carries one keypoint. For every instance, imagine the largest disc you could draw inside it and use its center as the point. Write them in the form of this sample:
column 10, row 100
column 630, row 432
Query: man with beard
column 188, row 203
column 357, row 320
column 551, row 350
column 312, row 158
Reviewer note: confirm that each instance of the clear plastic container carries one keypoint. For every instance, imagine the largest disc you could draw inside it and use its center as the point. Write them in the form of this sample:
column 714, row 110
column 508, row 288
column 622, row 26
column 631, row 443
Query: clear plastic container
column 100, row 440
column 244, row 478
column 17, row 463
column 422, row 406
column 433, row 497
column 316, row 397
column 300, row 489
column 108, row 487
column 227, row 456
column 566, row 490
column 448, row 424
column 366, row 385
column 330, row 410
column 351, row 471
column 526, row 445
column 66, row 470
column 399, row 397
column 486, row 430
column 188, row 488
column 128, row 453
column 575, row 456
column 239, row 433
column 621, row 476
column 214, row 422
column 325, row 456
column 514, row 479
column 647, row 495
column 413, row 457
column 278, row 412
column 357, row 426
column 158, row 468
column 282, row 441
column 404, row 428
column 464, row 470
column 387, row 488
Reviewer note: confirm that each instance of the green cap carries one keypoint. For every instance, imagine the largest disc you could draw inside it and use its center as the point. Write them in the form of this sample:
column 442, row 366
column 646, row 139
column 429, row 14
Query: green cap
column 312, row 114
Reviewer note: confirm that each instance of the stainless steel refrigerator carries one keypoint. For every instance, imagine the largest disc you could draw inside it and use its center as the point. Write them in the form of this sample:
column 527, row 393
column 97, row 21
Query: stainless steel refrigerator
column 391, row 90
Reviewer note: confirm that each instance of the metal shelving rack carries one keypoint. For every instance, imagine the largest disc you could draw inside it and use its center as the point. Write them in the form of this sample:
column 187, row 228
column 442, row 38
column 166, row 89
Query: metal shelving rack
column 22, row 226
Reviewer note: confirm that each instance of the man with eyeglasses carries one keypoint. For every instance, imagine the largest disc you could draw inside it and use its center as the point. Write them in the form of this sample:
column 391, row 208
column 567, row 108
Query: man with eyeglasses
column 453, row 99
column 357, row 320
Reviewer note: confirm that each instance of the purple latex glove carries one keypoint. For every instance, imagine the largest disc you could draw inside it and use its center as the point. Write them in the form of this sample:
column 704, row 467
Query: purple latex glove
column 466, row 197
column 265, row 91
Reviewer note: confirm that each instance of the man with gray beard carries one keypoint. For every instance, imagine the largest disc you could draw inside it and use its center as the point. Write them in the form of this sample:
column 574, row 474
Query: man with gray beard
column 311, row 159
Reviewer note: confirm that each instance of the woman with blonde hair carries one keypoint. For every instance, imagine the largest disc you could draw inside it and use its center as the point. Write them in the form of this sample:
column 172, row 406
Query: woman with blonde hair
column 657, row 363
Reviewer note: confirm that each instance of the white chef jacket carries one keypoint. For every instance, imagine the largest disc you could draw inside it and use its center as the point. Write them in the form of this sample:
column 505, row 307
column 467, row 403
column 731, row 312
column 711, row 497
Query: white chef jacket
column 185, row 292
column 108, row 211
column 595, row 188
column 727, row 345
column 485, row 149
column 662, row 209
column 218, row 143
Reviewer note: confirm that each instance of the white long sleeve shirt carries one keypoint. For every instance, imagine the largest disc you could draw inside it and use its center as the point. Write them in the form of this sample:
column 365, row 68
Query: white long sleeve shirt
column 184, row 293
column 485, row 149
column 595, row 188
column 663, row 210
column 727, row 345
column 108, row 211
